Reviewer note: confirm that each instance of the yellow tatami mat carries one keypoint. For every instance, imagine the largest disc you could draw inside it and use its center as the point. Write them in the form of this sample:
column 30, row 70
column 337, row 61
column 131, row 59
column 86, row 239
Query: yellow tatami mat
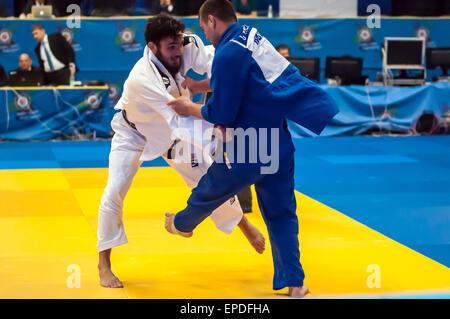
column 48, row 222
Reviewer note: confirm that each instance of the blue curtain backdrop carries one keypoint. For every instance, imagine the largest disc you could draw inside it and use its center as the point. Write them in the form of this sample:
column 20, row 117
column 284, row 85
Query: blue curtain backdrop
column 46, row 113
column 41, row 114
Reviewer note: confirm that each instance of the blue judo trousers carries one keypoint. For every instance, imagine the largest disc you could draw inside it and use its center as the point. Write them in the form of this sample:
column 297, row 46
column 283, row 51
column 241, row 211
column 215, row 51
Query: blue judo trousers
column 254, row 87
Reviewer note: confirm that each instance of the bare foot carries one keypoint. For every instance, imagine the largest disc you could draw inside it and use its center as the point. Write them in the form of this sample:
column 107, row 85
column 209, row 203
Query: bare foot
column 298, row 292
column 170, row 227
column 108, row 279
column 253, row 235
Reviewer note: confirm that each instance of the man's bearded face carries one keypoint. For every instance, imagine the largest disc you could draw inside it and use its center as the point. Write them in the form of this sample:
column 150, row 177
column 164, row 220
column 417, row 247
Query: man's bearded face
column 170, row 52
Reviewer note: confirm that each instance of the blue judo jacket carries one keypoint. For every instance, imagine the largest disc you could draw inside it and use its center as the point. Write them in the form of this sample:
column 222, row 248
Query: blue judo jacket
column 254, row 86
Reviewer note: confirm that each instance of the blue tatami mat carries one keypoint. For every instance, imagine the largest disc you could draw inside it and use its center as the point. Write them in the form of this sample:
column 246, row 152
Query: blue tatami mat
column 398, row 186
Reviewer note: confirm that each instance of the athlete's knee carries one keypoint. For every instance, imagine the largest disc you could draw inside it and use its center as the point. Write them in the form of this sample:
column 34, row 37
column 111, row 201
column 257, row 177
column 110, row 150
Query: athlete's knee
column 283, row 225
column 112, row 201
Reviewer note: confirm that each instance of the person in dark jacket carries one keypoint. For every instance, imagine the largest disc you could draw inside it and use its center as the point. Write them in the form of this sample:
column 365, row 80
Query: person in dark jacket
column 245, row 7
column 3, row 76
column 160, row 6
column 55, row 55
column 109, row 8
column 25, row 63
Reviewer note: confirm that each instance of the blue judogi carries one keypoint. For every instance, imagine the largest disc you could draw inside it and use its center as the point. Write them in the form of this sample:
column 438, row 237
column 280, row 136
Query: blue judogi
column 255, row 87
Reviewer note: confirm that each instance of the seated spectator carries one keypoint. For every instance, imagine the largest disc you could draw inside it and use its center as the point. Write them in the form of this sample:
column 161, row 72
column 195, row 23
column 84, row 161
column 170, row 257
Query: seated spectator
column 3, row 13
column 155, row 7
column 284, row 50
column 245, row 7
column 187, row 8
column 27, row 9
column 25, row 63
column 107, row 8
column 3, row 77
column 429, row 8
column 61, row 6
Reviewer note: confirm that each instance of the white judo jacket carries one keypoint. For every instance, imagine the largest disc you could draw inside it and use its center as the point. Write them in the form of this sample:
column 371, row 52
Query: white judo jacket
column 147, row 91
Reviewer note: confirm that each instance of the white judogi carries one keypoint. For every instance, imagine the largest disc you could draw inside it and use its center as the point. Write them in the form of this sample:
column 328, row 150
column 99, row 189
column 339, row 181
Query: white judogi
column 145, row 96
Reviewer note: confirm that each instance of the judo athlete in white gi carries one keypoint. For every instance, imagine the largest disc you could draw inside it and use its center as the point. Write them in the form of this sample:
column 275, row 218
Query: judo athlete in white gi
column 146, row 127
column 254, row 89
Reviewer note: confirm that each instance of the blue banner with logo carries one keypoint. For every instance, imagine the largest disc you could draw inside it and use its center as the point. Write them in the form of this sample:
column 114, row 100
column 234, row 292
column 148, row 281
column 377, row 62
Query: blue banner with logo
column 42, row 114
column 107, row 49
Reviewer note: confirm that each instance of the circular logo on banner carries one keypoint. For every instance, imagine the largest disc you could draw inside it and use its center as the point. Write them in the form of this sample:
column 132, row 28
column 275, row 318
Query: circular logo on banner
column 307, row 35
column 68, row 35
column 7, row 44
column 364, row 39
column 365, row 35
column 22, row 103
column 5, row 36
column 113, row 91
column 127, row 35
column 126, row 39
column 307, row 39
column 422, row 33
column 93, row 101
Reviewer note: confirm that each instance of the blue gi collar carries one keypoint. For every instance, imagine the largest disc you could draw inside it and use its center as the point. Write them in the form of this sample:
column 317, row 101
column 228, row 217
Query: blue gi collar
column 228, row 34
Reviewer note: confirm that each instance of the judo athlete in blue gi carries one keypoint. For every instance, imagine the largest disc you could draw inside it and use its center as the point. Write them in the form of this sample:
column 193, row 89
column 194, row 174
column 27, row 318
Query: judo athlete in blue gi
column 254, row 89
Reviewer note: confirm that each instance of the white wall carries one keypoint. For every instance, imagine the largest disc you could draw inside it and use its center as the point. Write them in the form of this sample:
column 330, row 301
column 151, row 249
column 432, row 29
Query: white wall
column 317, row 8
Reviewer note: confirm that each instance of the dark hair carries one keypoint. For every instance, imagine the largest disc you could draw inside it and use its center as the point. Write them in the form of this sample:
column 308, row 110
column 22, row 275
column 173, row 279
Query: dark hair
column 162, row 26
column 37, row 26
column 221, row 9
column 282, row 47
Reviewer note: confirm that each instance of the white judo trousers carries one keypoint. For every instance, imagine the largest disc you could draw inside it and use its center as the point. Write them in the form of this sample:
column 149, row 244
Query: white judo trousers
column 127, row 146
